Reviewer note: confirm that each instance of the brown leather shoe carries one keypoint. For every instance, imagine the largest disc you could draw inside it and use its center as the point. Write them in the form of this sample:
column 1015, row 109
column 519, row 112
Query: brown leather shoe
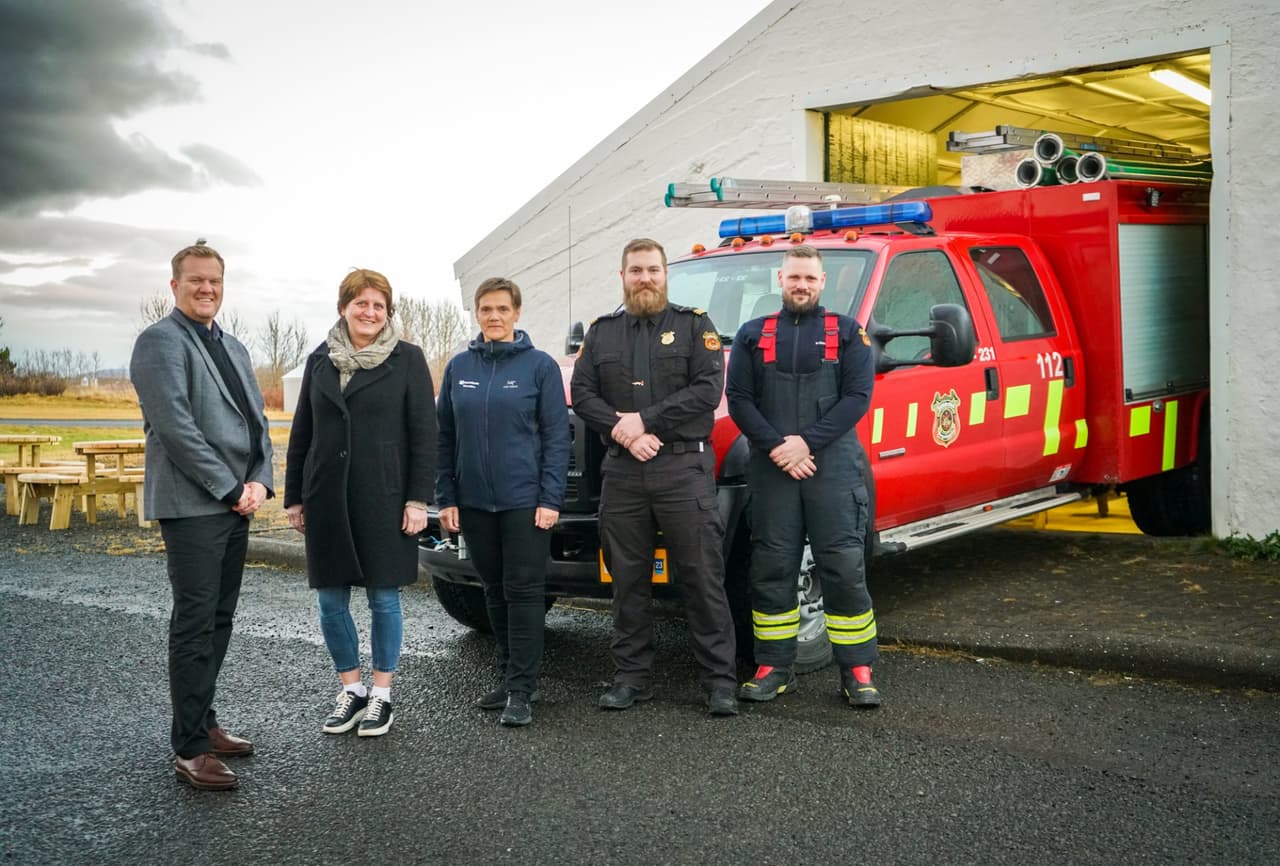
column 226, row 745
column 205, row 772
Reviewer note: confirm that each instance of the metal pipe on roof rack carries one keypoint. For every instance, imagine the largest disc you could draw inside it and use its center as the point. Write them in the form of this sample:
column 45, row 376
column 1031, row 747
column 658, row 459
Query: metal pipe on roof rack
column 1094, row 167
column 1049, row 148
column 1067, row 169
column 1030, row 172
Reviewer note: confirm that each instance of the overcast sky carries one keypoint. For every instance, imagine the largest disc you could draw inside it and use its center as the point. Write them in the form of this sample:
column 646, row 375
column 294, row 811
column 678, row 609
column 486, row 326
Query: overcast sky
column 300, row 138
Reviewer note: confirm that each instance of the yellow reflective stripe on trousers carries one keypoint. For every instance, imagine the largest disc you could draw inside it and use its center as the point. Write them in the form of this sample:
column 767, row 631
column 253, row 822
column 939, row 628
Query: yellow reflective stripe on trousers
column 850, row 630
column 775, row 626
column 786, row 616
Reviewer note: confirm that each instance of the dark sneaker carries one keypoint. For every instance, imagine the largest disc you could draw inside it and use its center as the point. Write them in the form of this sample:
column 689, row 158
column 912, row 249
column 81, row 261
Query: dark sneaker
column 516, row 712
column 347, row 714
column 497, row 699
column 857, row 688
column 377, row 718
column 722, row 702
column 768, row 683
column 620, row 696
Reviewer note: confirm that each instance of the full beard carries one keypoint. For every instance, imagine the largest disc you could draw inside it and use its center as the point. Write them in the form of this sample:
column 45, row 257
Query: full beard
column 643, row 303
column 797, row 308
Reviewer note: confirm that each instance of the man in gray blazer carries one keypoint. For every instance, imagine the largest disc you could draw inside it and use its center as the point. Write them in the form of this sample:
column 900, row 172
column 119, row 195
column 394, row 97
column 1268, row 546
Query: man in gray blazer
column 208, row 469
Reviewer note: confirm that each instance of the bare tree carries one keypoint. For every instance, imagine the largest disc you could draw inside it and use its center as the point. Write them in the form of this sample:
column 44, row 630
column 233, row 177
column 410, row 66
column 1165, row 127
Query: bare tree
column 439, row 328
column 283, row 346
column 154, row 307
column 234, row 324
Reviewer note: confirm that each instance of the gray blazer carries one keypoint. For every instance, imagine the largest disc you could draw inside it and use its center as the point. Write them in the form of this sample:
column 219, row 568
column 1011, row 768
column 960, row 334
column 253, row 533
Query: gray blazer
column 198, row 446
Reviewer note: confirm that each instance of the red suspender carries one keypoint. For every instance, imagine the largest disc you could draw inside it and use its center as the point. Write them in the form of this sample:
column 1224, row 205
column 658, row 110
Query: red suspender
column 832, row 352
column 769, row 338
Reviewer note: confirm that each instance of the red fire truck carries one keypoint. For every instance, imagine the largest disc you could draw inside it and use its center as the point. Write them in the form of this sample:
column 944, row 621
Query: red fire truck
column 1033, row 346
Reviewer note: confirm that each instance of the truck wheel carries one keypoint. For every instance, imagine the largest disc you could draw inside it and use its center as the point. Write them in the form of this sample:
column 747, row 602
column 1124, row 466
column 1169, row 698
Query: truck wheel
column 1176, row 502
column 813, row 647
column 464, row 603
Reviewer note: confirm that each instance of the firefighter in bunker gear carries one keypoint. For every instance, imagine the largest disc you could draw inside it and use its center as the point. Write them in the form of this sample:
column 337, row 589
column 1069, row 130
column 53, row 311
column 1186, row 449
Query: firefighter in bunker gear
column 798, row 382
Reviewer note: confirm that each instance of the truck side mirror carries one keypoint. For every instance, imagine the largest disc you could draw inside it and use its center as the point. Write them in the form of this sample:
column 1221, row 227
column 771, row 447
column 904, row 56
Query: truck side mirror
column 952, row 342
column 574, row 341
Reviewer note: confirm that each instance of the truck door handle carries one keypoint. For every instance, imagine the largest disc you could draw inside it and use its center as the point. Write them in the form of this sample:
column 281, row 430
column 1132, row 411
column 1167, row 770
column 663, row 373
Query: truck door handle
column 1068, row 371
column 993, row 383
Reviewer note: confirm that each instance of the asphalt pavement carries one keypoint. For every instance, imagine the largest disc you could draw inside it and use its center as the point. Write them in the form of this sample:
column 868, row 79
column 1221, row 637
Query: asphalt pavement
column 1110, row 601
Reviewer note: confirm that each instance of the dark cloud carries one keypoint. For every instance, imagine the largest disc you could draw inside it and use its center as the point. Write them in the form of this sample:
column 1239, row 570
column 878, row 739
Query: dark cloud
column 68, row 70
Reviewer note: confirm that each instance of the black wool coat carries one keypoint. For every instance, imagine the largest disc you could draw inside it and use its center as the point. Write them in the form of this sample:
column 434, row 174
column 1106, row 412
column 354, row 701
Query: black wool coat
column 355, row 457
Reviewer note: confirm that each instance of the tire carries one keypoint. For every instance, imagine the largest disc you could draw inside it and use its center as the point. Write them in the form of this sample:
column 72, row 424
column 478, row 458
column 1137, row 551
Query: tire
column 1176, row 502
column 464, row 603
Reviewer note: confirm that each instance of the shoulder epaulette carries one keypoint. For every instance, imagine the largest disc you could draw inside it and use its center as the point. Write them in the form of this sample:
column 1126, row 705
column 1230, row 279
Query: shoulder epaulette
column 613, row 315
column 681, row 308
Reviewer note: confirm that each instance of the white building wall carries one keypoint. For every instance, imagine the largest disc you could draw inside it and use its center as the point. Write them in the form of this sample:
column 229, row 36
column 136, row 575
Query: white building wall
column 745, row 111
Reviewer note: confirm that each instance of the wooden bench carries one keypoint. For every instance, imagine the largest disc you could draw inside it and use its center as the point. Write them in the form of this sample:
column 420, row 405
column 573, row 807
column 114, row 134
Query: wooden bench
column 62, row 490
column 13, row 488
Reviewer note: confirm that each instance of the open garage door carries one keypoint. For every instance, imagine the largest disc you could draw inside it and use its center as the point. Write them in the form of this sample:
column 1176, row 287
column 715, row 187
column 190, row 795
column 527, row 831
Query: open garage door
column 903, row 142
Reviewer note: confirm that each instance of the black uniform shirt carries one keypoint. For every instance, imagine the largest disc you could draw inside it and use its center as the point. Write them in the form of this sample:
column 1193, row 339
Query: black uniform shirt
column 800, row 348
column 686, row 374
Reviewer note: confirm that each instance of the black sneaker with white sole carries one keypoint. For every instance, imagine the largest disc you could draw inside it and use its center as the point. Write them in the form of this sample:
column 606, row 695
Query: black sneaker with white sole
column 347, row 713
column 377, row 718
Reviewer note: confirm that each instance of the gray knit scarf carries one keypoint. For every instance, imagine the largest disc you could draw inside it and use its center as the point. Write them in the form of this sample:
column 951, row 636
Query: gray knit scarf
column 347, row 358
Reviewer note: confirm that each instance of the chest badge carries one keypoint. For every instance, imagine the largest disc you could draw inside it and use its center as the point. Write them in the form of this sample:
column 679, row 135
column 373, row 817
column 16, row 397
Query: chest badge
column 946, row 417
column 667, row 338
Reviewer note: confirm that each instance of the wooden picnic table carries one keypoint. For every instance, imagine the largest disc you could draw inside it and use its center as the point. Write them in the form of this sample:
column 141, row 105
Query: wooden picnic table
column 28, row 459
column 114, row 451
column 64, row 482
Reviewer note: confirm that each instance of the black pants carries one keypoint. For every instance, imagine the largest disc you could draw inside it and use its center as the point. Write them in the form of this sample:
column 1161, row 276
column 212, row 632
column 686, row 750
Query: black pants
column 511, row 555
column 677, row 494
column 831, row 509
column 206, row 561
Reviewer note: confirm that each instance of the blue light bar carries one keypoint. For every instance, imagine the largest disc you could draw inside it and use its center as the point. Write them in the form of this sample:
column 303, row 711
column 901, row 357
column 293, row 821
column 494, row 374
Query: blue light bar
column 842, row 218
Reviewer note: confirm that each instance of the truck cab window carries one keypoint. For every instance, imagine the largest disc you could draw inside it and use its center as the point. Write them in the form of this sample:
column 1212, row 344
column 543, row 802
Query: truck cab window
column 913, row 283
column 1017, row 298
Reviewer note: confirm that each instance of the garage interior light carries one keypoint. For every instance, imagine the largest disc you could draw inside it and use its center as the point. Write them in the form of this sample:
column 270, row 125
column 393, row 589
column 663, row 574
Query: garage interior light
column 1182, row 84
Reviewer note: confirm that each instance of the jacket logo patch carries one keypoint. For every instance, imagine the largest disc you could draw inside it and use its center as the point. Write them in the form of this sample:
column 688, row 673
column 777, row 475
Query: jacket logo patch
column 946, row 418
column 511, row 383
column 467, row 383
column 711, row 340
column 667, row 338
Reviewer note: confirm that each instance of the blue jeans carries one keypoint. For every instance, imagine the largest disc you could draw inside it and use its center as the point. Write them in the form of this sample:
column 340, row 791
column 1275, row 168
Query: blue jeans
column 386, row 628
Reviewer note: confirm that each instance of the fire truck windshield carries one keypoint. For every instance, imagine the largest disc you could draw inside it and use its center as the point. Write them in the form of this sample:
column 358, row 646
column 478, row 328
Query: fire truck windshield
column 739, row 287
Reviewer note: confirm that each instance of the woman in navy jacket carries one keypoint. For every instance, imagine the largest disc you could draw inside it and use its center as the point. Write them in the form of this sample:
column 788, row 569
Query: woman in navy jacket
column 501, row 466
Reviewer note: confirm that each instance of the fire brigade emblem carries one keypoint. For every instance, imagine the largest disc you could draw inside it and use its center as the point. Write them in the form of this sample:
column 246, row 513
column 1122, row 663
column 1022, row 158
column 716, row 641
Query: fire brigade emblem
column 866, row 341
column 946, row 417
column 711, row 340
column 667, row 338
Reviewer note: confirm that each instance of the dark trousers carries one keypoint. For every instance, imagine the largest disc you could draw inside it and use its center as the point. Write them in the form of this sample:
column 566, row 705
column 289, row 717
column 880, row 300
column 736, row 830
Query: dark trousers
column 831, row 509
column 677, row 494
column 511, row 555
column 206, row 561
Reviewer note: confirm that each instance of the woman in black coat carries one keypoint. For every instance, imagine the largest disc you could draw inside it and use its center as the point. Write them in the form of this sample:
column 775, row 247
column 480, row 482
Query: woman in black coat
column 358, row 477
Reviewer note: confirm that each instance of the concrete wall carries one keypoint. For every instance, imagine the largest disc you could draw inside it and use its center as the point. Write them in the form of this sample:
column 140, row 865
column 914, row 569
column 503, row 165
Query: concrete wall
column 746, row 110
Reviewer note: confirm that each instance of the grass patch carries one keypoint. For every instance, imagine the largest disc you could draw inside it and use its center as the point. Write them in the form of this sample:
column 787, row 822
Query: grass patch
column 1252, row 549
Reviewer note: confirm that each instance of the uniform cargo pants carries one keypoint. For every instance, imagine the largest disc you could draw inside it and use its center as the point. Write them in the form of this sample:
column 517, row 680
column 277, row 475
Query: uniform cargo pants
column 675, row 493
